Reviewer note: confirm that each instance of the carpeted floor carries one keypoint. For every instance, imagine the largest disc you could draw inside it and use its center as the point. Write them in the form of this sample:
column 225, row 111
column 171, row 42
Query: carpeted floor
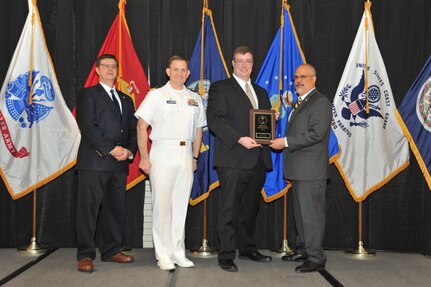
column 59, row 269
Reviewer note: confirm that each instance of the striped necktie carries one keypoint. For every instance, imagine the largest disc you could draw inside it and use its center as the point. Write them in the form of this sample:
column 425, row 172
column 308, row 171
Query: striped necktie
column 298, row 102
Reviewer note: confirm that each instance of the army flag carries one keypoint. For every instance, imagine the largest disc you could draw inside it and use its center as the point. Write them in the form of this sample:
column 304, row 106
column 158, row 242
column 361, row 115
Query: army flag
column 131, row 76
column 374, row 148
column 415, row 111
column 281, row 91
column 40, row 137
column 207, row 65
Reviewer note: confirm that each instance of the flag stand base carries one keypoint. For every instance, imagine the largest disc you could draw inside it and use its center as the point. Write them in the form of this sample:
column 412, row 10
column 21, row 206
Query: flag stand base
column 203, row 251
column 361, row 252
column 284, row 249
column 33, row 248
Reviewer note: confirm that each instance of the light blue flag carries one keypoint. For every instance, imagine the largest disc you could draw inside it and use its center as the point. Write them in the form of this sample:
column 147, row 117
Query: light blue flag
column 269, row 78
column 214, row 69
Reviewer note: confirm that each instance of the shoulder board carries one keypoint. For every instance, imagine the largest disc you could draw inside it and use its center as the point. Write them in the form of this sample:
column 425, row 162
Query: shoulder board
column 156, row 87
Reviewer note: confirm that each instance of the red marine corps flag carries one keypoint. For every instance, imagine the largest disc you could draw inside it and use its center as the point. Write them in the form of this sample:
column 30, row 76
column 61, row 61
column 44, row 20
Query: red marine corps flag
column 131, row 76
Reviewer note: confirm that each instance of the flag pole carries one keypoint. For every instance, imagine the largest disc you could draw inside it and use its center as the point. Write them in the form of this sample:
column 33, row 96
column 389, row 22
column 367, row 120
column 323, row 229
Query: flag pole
column 33, row 248
column 30, row 74
column 204, row 250
column 284, row 249
column 121, row 4
column 367, row 104
column 360, row 252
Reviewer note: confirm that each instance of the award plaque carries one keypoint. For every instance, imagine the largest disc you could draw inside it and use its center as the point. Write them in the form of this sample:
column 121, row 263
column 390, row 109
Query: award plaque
column 262, row 125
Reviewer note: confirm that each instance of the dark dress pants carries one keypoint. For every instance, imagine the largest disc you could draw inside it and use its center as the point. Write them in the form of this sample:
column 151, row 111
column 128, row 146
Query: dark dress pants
column 309, row 209
column 101, row 196
column 238, row 208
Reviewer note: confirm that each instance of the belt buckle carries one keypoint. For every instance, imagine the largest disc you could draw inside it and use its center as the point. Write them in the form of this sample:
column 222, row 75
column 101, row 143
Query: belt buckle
column 182, row 143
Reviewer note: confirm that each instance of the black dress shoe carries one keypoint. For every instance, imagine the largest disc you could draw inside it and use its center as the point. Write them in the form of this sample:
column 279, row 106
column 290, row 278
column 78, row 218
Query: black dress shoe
column 256, row 256
column 295, row 257
column 228, row 265
column 309, row 266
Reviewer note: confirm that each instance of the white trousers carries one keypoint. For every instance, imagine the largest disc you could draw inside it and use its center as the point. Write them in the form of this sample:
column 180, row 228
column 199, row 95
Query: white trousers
column 171, row 180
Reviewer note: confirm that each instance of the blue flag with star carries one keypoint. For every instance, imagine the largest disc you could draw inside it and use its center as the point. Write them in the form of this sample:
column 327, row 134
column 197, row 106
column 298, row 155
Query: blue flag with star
column 214, row 69
column 281, row 92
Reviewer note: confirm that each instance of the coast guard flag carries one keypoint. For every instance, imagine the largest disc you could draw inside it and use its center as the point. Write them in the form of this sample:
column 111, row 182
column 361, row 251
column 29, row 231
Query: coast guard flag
column 269, row 78
column 131, row 76
column 415, row 110
column 214, row 69
column 374, row 148
column 40, row 137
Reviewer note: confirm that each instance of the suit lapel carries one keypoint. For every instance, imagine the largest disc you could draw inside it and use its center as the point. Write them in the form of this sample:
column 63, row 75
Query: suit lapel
column 301, row 106
column 258, row 94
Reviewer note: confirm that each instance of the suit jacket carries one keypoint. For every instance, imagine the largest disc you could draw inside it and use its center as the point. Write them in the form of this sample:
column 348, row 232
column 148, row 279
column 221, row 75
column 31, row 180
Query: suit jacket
column 102, row 128
column 228, row 118
column 307, row 133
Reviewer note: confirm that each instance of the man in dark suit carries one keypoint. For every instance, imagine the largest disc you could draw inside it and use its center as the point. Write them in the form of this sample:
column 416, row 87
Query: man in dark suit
column 108, row 128
column 241, row 162
column 306, row 165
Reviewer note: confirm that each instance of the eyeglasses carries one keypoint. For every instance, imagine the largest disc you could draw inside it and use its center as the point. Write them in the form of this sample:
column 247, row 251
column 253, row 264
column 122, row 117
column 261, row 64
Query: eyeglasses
column 301, row 77
column 241, row 62
column 106, row 66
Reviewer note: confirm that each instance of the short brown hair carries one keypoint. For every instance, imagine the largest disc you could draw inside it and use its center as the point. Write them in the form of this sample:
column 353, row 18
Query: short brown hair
column 242, row 50
column 178, row 58
column 105, row 56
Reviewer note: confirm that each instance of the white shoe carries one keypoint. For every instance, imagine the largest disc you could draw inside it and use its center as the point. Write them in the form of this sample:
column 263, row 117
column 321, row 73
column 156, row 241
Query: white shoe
column 183, row 262
column 166, row 265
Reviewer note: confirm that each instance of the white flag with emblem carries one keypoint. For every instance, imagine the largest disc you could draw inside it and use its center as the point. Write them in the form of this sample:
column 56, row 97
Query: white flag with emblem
column 365, row 118
column 39, row 136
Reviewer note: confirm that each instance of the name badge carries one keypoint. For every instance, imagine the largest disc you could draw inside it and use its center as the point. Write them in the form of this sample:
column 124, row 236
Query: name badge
column 171, row 102
column 192, row 103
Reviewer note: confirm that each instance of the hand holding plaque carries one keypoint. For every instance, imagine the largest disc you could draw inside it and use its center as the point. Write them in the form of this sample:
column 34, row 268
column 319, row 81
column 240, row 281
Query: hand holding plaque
column 262, row 125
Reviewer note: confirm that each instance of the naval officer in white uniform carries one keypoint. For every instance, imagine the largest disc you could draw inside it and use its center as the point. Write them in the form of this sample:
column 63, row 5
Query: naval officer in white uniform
column 176, row 116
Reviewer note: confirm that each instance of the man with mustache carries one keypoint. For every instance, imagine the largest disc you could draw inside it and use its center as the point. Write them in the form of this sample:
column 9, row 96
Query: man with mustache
column 306, row 165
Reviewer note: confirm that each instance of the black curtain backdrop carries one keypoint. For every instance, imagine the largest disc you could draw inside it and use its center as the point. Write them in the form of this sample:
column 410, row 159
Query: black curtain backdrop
column 396, row 217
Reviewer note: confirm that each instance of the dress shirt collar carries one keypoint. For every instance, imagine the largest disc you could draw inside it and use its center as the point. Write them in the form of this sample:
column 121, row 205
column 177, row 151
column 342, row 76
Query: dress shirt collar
column 108, row 90
column 169, row 86
column 242, row 83
column 306, row 94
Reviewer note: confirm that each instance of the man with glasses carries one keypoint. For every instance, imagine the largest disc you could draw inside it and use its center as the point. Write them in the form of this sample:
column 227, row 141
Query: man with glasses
column 240, row 161
column 108, row 129
column 306, row 165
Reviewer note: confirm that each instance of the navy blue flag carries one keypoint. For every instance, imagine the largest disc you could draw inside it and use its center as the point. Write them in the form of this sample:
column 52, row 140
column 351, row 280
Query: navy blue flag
column 214, row 69
column 415, row 110
column 282, row 94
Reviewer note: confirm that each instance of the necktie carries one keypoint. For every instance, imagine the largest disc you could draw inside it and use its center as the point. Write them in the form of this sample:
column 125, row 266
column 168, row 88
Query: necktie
column 295, row 105
column 298, row 102
column 250, row 95
column 116, row 104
